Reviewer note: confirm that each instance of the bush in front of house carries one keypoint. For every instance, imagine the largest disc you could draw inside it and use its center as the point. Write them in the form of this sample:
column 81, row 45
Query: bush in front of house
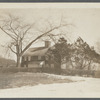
column 78, row 72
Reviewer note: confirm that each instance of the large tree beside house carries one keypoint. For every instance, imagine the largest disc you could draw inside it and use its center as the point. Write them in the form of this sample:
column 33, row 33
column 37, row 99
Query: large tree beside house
column 82, row 55
column 19, row 31
column 60, row 52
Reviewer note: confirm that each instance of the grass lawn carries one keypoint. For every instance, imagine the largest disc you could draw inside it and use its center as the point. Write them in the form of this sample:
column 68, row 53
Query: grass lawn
column 13, row 80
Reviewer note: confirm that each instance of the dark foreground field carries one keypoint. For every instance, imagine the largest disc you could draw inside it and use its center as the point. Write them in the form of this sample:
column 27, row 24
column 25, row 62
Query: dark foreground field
column 41, row 85
column 19, row 79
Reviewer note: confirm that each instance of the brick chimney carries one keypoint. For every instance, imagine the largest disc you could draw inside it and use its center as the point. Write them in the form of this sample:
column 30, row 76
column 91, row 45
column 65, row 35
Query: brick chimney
column 47, row 44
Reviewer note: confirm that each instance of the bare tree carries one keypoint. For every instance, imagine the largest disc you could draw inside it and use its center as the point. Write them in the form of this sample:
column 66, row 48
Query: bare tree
column 18, row 32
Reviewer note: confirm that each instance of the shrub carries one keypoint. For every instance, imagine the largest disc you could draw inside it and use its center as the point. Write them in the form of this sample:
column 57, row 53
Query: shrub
column 78, row 72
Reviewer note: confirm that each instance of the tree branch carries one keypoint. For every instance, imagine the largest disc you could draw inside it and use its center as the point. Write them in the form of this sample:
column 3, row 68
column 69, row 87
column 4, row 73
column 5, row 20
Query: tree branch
column 12, row 49
column 13, row 29
column 26, row 31
column 38, row 38
column 7, row 33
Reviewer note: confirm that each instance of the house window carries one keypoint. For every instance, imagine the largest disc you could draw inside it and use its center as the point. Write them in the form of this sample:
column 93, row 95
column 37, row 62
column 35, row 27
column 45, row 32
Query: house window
column 34, row 58
column 29, row 58
column 43, row 57
column 25, row 58
column 39, row 57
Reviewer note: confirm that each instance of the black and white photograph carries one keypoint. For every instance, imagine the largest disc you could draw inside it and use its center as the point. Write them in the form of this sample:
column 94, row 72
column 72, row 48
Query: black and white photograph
column 49, row 50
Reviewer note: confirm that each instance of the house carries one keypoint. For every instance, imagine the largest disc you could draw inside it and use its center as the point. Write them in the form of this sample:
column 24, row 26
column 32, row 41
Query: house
column 36, row 57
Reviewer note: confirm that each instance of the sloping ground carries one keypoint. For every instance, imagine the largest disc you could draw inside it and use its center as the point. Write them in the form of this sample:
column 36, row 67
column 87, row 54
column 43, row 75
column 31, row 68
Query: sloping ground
column 6, row 62
column 82, row 87
column 13, row 80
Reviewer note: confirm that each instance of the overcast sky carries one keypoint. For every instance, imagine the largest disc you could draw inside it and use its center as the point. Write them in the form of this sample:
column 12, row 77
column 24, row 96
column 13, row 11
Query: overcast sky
column 86, row 20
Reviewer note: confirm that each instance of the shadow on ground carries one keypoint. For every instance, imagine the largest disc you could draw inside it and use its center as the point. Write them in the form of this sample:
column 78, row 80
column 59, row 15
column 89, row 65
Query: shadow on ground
column 13, row 80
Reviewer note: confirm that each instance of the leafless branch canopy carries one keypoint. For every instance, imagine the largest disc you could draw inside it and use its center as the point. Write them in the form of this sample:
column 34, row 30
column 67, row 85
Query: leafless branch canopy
column 18, row 32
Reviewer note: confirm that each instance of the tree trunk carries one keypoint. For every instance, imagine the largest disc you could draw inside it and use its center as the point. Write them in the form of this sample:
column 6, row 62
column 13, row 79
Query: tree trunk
column 89, row 69
column 71, row 64
column 58, row 68
column 89, row 65
column 18, row 61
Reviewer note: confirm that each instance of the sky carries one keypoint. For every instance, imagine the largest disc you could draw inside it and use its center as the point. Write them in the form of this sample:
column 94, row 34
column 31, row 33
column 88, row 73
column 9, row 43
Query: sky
column 86, row 20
